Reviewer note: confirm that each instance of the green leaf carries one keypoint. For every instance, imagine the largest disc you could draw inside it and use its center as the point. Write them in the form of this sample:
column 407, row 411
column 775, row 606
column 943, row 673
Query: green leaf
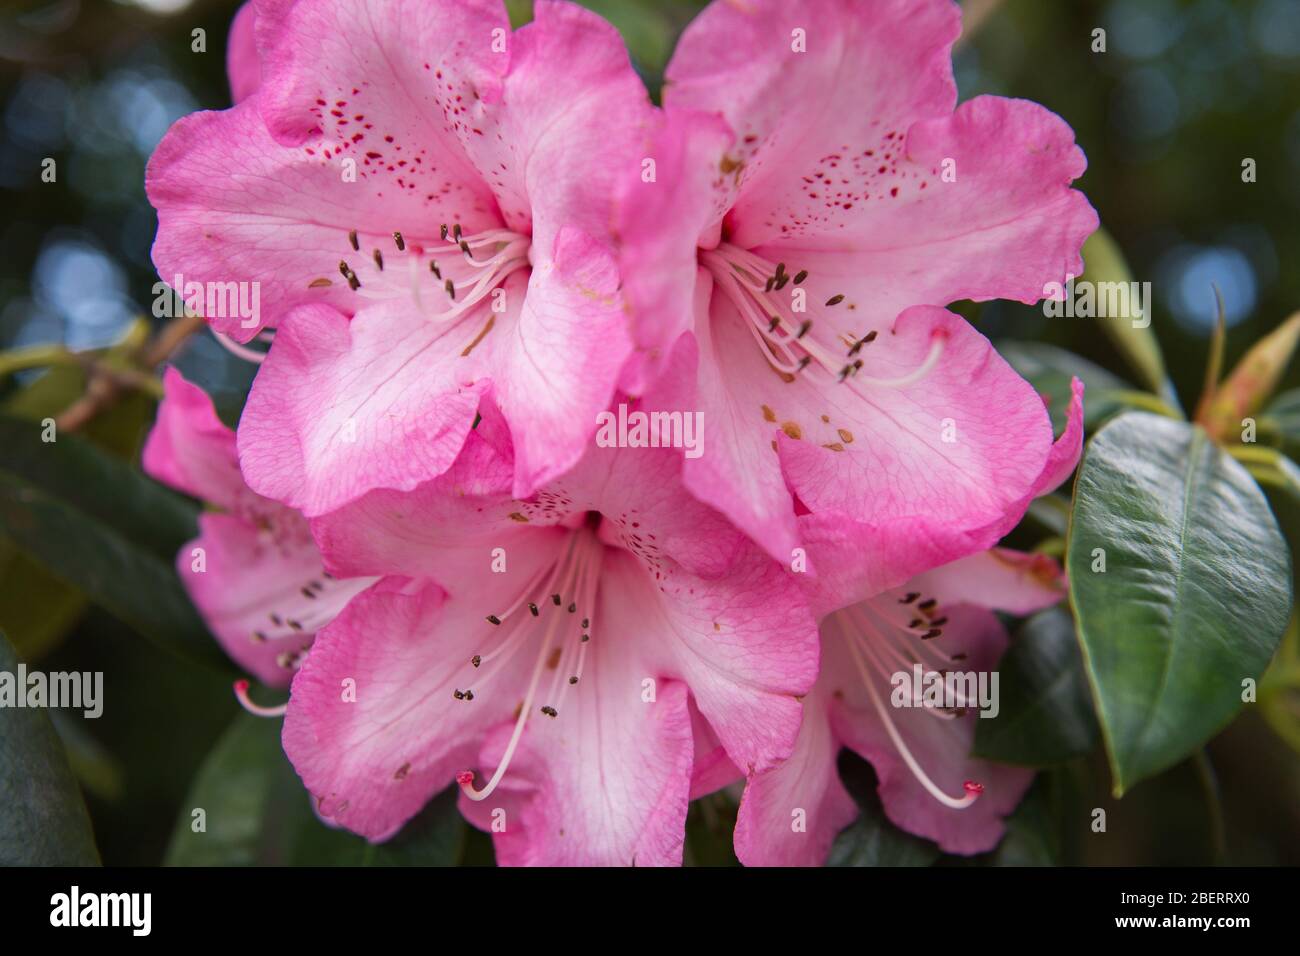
column 1045, row 715
column 1195, row 595
column 105, row 528
column 1032, row 837
column 256, row 812
column 1131, row 334
column 43, row 819
column 36, row 607
column 872, row 840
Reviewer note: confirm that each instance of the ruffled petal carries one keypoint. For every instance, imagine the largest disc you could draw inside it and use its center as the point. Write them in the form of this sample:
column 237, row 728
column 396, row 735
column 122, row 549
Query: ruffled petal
column 190, row 449
column 340, row 408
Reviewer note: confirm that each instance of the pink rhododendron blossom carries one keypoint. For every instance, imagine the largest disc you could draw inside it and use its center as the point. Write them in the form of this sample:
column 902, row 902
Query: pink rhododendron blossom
column 928, row 782
column 940, row 620
column 580, row 653
column 424, row 200
column 254, row 573
column 817, row 199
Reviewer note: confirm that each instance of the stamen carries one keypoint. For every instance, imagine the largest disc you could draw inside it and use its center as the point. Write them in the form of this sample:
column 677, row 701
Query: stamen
column 791, row 346
column 577, row 573
column 863, row 651
column 241, row 695
column 243, row 351
column 466, row 778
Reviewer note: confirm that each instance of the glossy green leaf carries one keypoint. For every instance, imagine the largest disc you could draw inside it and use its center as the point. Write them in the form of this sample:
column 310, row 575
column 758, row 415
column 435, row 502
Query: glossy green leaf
column 43, row 819
column 1045, row 715
column 101, row 525
column 1195, row 592
column 256, row 812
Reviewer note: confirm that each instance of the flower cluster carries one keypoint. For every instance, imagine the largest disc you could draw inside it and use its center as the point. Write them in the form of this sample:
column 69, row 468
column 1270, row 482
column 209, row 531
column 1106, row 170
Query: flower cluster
column 472, row 244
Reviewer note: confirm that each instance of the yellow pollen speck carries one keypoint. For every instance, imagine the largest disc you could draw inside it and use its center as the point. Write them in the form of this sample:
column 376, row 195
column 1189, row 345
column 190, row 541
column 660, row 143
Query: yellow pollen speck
column 319, row 283
column 516, row 516
column 826, row 419
column 792, row 429
column 845, row 435
column 834, row 446
column 768, row 414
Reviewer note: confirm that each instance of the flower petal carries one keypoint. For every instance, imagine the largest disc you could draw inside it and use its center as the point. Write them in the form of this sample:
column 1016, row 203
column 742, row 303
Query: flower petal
column 998, row 579
column 340, row 408
column 234, row 206
column 243, row 66
column 790, row 815
column 251, row 590
column 190, row 449
column 603, row 784
column 976, row 205
column 954, row 451
column 560, row 368
column 809, row 83
column 373, row 727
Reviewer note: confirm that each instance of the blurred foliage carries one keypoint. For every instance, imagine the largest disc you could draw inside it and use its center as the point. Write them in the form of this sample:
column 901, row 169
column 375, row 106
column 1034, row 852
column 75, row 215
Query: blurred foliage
column 1185, row 92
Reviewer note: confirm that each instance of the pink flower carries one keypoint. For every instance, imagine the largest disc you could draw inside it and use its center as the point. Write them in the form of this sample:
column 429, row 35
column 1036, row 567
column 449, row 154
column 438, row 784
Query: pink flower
column 422, row 199
column 253, row 572
column 940, row 620
column 928, row 783
column 817, row 199
column 582, row 651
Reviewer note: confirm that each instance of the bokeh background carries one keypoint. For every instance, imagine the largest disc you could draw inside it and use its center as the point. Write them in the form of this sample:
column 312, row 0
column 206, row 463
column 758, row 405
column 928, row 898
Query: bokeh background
column 1186, row 90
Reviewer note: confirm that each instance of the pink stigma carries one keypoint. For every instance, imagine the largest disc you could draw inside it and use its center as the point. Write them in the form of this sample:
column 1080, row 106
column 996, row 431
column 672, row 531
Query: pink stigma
column 970, row 786
column 465, row 778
